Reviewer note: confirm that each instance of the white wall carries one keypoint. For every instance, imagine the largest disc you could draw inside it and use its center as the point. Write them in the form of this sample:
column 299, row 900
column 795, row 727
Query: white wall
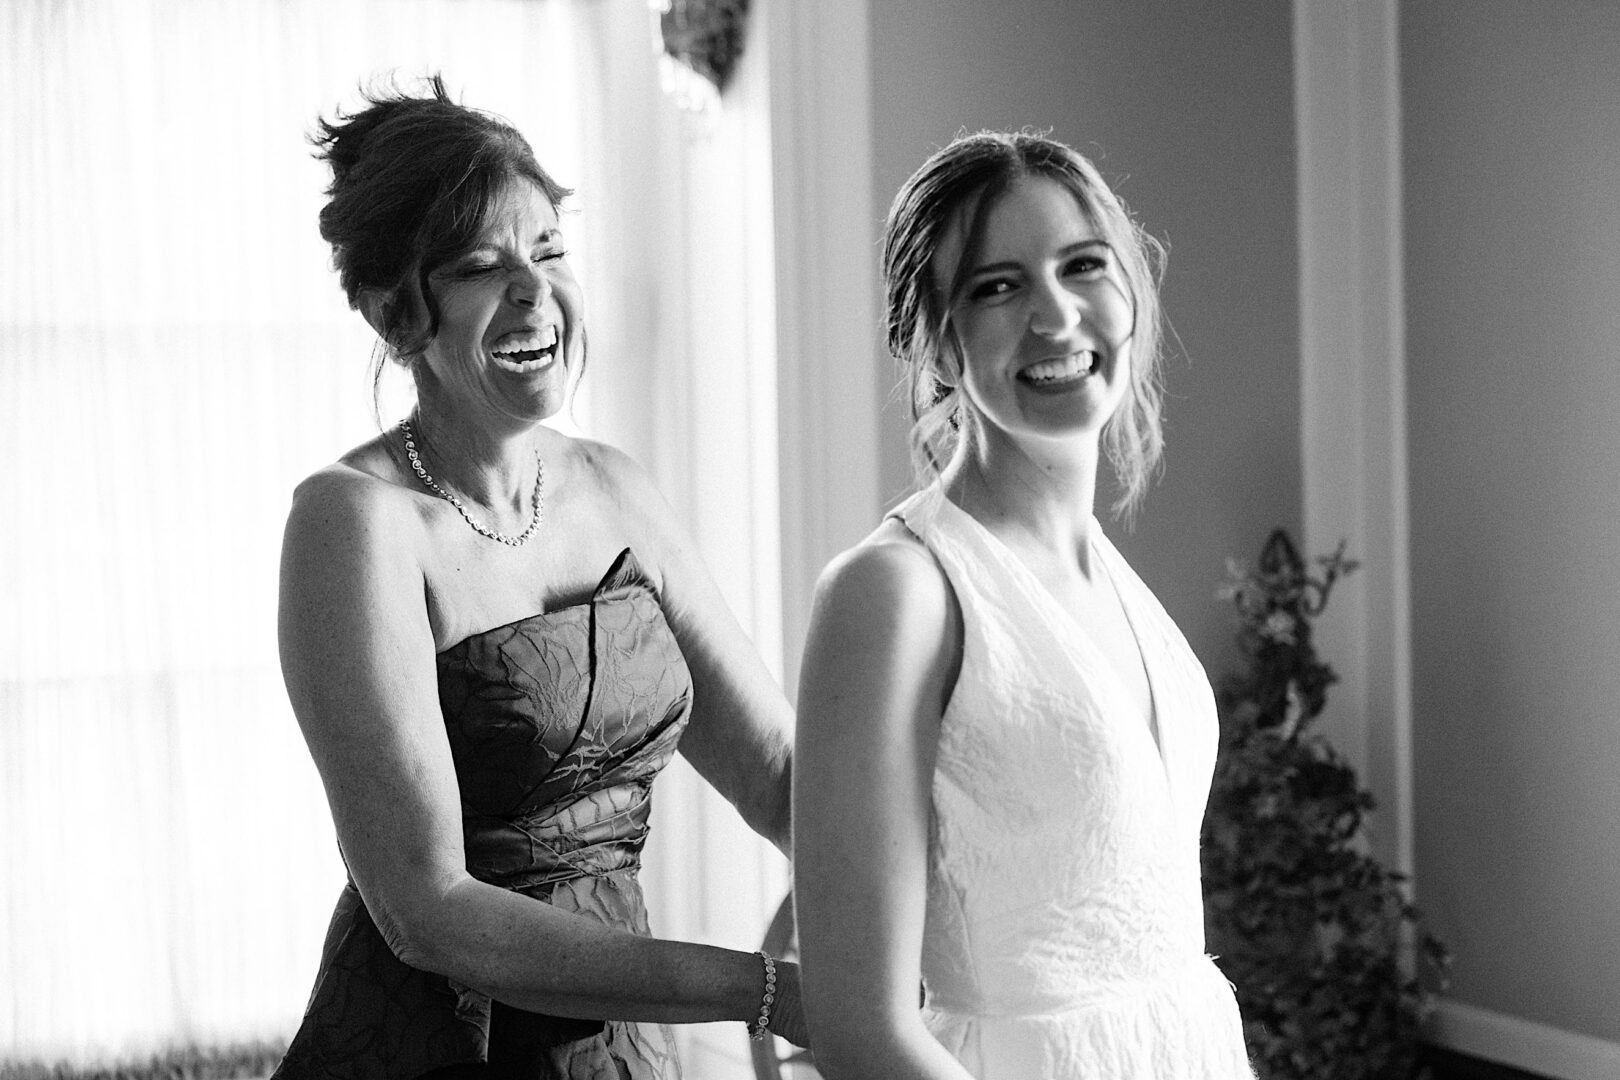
column 1512, row 177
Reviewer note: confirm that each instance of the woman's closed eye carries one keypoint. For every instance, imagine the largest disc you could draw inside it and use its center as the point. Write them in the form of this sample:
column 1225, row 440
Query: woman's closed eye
column 478, row 268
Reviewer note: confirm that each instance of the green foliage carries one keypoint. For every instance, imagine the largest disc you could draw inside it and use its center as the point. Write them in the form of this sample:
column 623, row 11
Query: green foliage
column 1334, row 973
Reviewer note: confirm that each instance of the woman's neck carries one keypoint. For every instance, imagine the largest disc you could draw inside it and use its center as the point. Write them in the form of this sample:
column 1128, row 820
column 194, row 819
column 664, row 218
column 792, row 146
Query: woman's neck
column 1041, row 498
column 493, row 466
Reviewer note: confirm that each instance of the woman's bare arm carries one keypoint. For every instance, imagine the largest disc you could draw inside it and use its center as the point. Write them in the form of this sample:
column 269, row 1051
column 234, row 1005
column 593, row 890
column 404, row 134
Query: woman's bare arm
column 739, row 735
column 884, row 646
column 358, row 658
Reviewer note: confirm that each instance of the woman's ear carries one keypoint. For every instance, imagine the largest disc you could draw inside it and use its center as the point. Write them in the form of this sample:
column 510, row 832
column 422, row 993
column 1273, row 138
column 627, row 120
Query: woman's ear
column 376, row 304
column 947, row 365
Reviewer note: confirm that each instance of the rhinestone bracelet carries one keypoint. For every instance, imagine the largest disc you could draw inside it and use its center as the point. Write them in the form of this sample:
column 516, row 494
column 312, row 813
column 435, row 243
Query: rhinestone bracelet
column 756, row 1030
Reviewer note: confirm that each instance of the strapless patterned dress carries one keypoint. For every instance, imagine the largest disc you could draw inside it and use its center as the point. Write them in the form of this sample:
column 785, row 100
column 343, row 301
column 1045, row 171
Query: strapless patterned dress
column 558, row 724
column 1064, row 935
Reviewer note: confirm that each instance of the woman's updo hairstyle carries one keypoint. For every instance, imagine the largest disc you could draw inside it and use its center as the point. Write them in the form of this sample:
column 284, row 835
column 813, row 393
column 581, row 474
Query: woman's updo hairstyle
column 414, row 180
column 959, row 185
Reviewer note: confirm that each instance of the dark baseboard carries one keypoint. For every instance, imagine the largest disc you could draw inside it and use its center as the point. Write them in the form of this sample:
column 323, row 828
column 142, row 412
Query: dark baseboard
column 1446, row 1064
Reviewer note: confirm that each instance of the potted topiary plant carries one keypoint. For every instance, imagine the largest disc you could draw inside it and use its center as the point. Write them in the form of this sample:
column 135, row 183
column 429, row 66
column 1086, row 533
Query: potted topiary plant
column 1334, row 973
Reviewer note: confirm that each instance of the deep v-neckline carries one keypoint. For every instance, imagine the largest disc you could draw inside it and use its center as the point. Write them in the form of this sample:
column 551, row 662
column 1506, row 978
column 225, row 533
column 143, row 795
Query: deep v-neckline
column 1055, row 610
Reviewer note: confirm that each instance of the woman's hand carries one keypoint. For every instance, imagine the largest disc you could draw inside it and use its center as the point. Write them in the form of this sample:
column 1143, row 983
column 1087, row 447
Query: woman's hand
column 787, row 1013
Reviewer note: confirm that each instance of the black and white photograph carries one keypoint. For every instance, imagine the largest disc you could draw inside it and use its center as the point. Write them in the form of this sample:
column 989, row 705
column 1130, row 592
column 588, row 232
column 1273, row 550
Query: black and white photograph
column 810, row 540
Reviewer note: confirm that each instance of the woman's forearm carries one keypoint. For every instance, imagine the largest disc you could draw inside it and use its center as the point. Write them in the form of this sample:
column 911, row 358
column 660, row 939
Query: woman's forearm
column 774, row 818
column 902, row 1049
column 529, row 955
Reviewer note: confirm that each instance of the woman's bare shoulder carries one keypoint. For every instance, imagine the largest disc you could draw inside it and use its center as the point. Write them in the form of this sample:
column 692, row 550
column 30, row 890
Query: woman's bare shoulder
column 610, row 470
column 360, row 493
column 892, row 560
column 621, row 499
column 885, row 631
column 889, row 583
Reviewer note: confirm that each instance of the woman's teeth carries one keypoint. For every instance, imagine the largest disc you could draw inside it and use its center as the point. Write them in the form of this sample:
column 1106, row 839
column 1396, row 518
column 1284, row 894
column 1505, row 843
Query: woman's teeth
column 1068, row 367
column 527, row 353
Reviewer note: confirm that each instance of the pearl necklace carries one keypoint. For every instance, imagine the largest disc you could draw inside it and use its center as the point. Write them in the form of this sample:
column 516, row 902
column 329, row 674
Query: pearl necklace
column 479, row 526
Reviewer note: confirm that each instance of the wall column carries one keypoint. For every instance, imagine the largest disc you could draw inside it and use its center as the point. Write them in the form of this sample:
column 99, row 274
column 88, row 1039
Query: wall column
column 1353, row 386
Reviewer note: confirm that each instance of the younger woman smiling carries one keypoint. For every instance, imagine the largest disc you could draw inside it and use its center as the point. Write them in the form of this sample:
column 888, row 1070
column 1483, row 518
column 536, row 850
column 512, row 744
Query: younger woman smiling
column 1004, row 744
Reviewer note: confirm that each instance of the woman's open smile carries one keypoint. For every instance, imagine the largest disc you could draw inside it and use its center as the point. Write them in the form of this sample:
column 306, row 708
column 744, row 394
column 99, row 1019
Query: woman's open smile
column 509, row 307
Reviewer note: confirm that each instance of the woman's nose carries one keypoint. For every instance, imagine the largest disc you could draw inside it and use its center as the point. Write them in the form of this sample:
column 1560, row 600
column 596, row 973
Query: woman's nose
column 1054, row 309
column 529, row 286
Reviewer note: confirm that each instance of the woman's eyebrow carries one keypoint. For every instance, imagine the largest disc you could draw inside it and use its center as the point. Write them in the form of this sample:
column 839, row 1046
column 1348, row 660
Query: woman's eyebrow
column 1090, row 242
column 991, row 268
column 1063, row 253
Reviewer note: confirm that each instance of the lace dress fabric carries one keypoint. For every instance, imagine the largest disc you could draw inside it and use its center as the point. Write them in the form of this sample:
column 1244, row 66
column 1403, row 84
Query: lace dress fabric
column 1064, row 936
column 558, row 724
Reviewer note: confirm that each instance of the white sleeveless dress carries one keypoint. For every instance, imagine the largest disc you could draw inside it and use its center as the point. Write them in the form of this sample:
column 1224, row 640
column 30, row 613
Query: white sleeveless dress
column 1065, row 931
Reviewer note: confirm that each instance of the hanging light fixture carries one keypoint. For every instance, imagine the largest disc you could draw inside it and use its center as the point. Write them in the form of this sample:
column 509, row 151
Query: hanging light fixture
column 699, row 43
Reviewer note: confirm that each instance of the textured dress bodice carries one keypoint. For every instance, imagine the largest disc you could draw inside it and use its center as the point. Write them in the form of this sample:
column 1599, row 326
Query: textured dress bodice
column 557, row 724
column 1064, row 929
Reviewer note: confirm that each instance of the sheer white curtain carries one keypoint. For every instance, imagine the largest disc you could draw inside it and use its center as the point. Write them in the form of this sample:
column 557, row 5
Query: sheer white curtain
column 683, row 377
column 175, row 354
